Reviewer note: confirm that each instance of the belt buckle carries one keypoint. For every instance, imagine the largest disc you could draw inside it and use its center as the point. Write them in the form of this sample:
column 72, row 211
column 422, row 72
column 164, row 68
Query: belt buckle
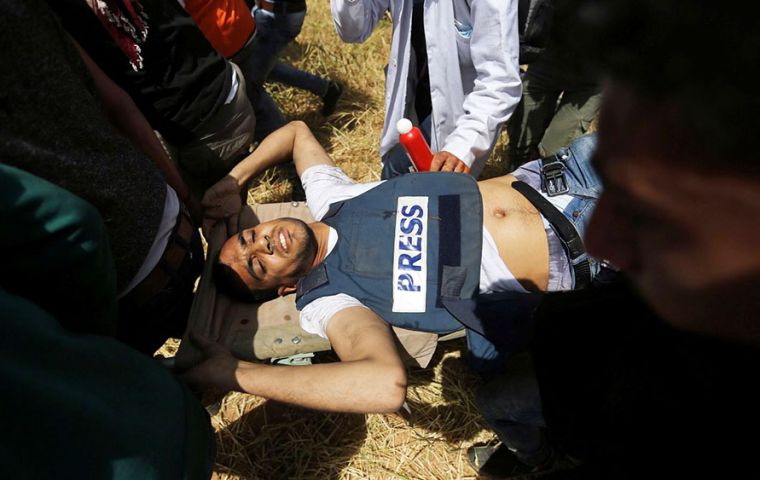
column 280, row 8
column 267, row 5
column 554, row 178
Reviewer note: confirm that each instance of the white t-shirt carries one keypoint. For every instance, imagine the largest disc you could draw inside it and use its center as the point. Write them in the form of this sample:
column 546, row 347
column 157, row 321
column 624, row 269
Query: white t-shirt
column 325, row 185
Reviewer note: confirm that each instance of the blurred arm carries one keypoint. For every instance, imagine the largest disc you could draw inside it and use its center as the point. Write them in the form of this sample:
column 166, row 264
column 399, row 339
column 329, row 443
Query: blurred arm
column 129, row 120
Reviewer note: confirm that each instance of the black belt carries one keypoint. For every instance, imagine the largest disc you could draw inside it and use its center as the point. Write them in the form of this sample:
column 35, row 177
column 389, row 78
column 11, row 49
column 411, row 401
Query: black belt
column 281, row 6
column 178, row 251
column 566, row 232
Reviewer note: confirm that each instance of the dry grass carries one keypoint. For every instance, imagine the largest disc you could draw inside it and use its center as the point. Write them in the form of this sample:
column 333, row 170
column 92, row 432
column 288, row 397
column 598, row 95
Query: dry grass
column 266, row 440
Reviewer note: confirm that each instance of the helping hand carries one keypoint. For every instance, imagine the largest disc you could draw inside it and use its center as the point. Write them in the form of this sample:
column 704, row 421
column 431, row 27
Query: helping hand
column 444, row 161
column 222, row 202
column 216, row 373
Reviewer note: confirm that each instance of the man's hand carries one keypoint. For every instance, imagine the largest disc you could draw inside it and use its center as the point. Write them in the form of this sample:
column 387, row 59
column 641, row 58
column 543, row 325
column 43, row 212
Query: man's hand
column 222, row 202
column 216, row 373
column 444, row 161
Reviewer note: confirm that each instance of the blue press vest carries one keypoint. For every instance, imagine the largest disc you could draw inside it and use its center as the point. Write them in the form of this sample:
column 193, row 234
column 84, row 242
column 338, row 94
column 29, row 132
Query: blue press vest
column 361, row 264
column 403, row 247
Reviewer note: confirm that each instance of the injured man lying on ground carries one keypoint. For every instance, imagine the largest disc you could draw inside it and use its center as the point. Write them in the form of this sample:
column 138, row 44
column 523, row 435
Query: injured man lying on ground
column 435, row 252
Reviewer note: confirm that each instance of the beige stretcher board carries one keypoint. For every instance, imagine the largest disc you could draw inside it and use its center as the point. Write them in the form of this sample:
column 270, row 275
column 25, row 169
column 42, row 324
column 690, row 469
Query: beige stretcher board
column 270, row 329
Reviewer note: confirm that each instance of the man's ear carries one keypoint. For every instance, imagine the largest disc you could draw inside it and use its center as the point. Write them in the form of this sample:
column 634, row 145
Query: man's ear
column 286, row 290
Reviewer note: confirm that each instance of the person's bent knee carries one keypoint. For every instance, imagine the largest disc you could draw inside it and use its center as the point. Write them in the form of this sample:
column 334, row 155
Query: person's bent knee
column 395, row 163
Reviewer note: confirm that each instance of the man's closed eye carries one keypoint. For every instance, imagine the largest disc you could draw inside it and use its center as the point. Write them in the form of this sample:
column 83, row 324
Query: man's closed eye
column 249, row 265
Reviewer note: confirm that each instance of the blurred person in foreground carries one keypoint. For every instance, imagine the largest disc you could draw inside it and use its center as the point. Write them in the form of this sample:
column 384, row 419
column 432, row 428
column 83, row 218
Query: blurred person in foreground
column 64, row 120
column 656, row 377
column 190, row 94
column 77, row 403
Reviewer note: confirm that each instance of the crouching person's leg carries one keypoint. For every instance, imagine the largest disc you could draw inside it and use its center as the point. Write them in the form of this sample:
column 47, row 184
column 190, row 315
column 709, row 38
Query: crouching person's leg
column 396, row 161
column 511, row 404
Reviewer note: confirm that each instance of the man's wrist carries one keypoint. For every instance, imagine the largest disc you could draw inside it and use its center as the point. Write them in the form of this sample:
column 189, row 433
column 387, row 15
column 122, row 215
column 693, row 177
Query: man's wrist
column 243, row 373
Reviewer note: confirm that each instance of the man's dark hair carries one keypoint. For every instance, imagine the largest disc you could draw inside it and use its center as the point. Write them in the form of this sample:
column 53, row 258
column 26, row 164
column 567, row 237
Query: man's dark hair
column 700, row 57
column 228, row 282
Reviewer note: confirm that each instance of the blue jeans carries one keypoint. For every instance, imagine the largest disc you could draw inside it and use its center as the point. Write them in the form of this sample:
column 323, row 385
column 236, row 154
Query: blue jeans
column 274, row 32
column 511, row 405
column 396, row 161
column 259, row 63
column 584, row 186
column 268, row 115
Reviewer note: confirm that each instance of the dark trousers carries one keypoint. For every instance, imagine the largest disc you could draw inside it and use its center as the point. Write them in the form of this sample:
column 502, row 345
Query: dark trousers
column 146, row 326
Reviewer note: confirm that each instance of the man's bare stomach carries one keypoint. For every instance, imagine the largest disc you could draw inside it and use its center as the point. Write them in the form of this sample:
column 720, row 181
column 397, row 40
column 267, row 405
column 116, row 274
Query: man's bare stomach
column 517, row 228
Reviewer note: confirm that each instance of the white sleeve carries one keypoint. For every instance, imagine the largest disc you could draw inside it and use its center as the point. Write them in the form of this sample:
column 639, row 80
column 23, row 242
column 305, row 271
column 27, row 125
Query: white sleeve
column 494, row 49
column 327, row 184
column 316, row 315
column 356, row 19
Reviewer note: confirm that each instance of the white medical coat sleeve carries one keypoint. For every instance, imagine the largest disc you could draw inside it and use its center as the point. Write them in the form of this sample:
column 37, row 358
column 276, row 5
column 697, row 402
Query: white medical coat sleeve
column 494, row 50
column 356, row 19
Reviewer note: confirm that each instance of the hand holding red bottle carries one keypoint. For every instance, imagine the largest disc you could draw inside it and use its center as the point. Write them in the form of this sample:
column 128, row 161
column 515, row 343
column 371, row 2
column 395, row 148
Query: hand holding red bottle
column 444, row 161
column 422, row 157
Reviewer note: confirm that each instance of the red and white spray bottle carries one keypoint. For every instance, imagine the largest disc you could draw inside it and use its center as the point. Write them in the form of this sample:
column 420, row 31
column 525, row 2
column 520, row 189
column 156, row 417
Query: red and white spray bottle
column 416, row 147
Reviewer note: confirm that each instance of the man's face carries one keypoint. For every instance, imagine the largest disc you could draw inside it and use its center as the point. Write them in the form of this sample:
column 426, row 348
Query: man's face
column 681, row 234
column 271, row 254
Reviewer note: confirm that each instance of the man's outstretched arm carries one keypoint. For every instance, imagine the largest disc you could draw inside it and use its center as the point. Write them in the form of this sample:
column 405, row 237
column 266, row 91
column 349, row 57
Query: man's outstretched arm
column 370, row 378
column 293, row 142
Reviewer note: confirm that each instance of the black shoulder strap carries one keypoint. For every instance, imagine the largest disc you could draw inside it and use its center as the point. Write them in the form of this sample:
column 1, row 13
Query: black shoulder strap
column 314, row 279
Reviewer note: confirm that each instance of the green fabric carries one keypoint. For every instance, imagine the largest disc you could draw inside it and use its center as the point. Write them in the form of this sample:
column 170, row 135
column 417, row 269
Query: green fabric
column 85, row 406
column 558, row 105
column 55, row 252
column 575, row 113
column 79, row 405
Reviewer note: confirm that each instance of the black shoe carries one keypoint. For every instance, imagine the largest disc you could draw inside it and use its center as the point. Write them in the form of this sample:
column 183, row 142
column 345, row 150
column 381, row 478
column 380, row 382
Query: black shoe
column 334, row 90
column 497, row 461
